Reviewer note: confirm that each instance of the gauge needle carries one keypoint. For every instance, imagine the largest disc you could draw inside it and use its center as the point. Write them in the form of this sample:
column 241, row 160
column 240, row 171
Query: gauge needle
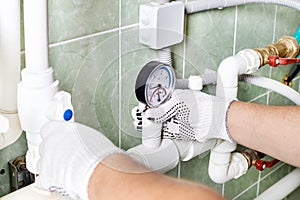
column 158, row 97
column 158, row 86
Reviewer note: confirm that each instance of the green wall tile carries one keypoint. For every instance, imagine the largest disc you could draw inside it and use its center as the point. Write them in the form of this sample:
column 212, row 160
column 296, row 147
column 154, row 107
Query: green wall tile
column 246, row 195
column 70, row 19
column 197, row 170
column 89, row 69
column 287, row 21
column 295, row 195
column 130, row 11
column 236, row 186
column 254, row 26
column 273, row 178
column 209, row 38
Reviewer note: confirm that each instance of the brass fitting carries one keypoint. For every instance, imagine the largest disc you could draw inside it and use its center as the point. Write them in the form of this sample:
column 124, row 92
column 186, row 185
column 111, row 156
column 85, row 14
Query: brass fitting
column 251, row 156
column 286, row 81
column 285, row 47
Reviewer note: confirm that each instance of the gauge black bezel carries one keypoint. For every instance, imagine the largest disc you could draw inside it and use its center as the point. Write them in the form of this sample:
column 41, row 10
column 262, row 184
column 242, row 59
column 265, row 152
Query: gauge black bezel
column 142, row 78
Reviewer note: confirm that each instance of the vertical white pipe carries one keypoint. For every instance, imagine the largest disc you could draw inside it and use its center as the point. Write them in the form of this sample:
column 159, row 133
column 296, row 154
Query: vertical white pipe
column 36, row 35
column 37, row 87
column 9, row 54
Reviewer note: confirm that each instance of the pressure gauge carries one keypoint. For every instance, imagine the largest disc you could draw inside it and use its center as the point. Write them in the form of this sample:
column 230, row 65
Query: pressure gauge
column 155, row 83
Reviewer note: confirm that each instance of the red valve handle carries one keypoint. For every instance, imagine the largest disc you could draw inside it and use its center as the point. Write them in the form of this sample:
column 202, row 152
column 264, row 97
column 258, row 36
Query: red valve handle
column 274, row 61
column 262, row 164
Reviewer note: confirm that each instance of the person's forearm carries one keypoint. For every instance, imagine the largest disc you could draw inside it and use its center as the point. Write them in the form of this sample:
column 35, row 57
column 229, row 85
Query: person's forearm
column 119, row 177
column 273, row 130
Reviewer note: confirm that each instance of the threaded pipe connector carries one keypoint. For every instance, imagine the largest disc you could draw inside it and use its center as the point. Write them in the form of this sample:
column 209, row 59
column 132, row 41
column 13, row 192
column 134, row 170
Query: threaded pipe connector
column 285, row 47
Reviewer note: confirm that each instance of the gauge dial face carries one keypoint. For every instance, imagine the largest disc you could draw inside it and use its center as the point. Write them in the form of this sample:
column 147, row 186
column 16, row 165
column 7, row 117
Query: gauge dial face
column 159, row 85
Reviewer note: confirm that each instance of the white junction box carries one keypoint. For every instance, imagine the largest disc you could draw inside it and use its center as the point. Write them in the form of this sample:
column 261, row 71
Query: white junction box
column 161, row 25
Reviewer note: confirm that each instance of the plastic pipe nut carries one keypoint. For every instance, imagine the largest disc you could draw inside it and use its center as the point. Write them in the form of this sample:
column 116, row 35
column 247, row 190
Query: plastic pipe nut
column 195, row 83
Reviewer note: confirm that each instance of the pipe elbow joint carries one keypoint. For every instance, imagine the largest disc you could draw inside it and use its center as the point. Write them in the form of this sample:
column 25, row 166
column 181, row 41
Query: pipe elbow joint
column 244, row 62
column 227, row 167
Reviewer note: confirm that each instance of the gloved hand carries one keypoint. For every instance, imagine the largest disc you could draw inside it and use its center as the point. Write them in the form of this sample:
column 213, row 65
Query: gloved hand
column 69, row 153
column 192, row 115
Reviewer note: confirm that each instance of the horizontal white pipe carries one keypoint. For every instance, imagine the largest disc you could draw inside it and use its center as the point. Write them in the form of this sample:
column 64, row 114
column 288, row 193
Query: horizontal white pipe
column 271, row 84
column 161, row 159
column 9, row 54
column 190, row 149
column 36, row 35
column 201, row 5
column 282, row 188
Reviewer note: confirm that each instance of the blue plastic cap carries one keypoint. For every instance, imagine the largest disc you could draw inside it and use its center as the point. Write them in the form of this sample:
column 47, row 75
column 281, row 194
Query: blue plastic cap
column 297, row 35
column 68, row 114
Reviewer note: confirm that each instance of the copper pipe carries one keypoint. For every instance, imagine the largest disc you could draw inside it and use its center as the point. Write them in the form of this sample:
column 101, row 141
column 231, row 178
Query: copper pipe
column 285, row 47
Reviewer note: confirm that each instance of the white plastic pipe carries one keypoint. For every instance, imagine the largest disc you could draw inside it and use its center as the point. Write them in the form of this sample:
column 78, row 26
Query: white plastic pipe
column 282, row 188
column 10, row 50
column 225, row 165
column 37, row 87
column 161, row 159
column 201, row 5
column 9, row 54
column 36, row 35
column 244, row 62
column 271, row 84
column 190, row 149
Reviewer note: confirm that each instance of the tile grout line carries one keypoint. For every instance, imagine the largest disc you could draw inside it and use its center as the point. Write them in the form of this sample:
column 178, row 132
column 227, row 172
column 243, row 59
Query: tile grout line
column 120, row 74
column 93, row 35
column 235, row 30
column 260, row 96
column 273, row 40
column 244, row 191
column 258, row 183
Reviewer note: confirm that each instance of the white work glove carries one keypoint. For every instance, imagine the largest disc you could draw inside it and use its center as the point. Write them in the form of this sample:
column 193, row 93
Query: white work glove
column 192, row 115
column 69, row 153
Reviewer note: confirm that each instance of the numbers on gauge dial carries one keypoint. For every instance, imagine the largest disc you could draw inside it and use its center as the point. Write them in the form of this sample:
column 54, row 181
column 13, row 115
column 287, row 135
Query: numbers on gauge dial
column 158, row 86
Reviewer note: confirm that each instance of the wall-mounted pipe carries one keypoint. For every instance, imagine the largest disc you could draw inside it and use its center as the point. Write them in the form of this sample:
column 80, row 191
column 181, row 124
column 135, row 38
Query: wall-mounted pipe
column 37, row 87
column 9, row 54
column 202, row 5
column 282, row 188
column 225, row 165
column 273, row 85
column 9, row 71
column 161, row 159
column 244, row 62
